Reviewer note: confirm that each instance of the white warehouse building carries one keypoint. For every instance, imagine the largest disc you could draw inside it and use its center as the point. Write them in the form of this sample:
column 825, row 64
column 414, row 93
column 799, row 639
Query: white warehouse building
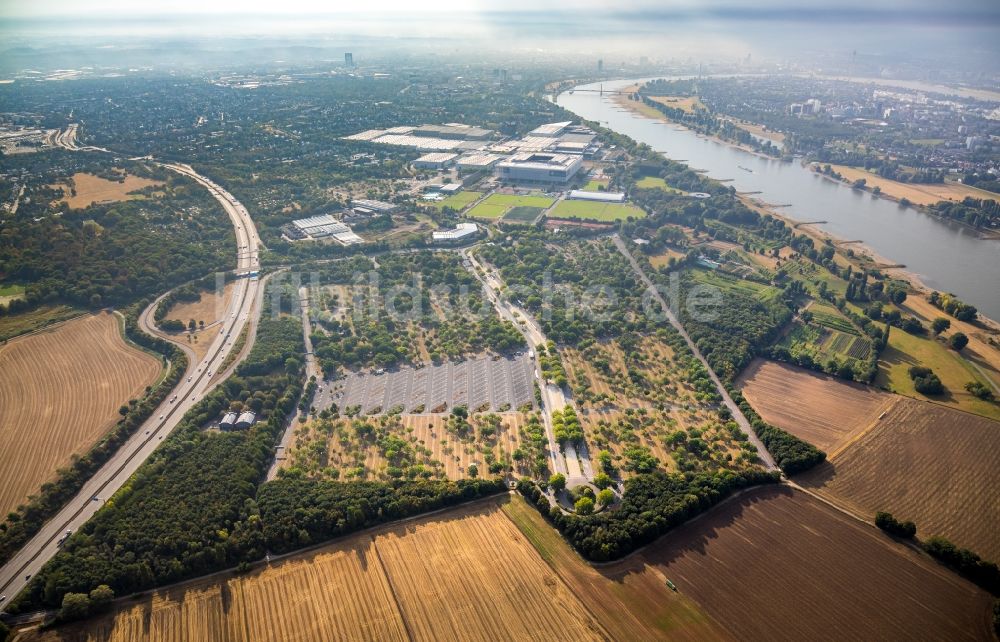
column 539, row 168
column 604, row 197
column 461, row 232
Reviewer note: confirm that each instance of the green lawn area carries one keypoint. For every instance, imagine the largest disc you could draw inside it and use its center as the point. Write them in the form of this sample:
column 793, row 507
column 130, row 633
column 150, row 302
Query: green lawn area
column 496, row 205
column 655, row 182
column 724, row 281
column 457, row 202
column 596, row 211
column 522, row 214
column 11, row 290
column 16, row 324
column 905, row 350
column 595, row 186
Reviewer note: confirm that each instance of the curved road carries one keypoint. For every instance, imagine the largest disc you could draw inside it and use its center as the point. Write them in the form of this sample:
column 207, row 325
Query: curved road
column 196, row 383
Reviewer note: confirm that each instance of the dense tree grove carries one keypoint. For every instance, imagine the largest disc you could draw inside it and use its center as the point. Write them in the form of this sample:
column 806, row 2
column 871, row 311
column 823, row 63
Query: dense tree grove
column 113, row 253
column 22, row 524
column 418, row 298
column 299, row 512
column 651, row 505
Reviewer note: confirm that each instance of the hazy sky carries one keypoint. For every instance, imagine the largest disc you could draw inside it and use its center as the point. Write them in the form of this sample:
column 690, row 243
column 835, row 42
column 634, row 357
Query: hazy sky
column 977, row 9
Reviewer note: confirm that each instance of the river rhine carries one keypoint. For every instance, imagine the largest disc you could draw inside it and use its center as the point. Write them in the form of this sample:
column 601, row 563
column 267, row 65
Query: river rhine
column 945, row 256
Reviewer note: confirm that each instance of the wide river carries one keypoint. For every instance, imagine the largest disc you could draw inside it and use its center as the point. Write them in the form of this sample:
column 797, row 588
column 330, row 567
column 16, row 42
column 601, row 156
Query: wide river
column 944, row 255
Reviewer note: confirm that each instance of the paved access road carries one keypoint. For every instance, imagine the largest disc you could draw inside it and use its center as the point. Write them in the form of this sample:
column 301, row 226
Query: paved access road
column 738, row 415
column 575, row 466
column 197, row 381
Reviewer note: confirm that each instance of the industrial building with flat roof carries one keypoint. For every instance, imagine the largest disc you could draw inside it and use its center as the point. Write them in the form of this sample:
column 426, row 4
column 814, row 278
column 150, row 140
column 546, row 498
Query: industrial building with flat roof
column 462, row 232
column 323, row 226
column 476, row 161
column 373, row 205
column 539, row 168
column 604, row 197
column 435, row 160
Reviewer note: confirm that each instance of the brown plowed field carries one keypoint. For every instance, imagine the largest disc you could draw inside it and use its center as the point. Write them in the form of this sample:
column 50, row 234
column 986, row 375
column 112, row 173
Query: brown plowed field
column 60, row 390
column 777, row 564
column 923, row 462
column 823, row 410
column 467, row 574
column 630, row 599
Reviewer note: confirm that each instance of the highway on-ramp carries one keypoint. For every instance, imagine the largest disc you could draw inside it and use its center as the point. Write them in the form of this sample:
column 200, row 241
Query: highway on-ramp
column 195, row 384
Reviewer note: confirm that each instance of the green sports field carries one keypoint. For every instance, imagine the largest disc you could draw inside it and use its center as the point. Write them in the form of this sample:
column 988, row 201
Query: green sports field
column 457, row 202
column 496, row 205
column 596, row 211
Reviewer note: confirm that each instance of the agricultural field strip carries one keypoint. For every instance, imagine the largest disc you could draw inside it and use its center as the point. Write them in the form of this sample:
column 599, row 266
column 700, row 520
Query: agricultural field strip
column 934, row 465
column 786, row 557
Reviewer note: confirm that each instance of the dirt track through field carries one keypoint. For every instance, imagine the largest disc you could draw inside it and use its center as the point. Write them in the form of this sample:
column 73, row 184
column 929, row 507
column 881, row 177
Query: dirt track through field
column 60, row 390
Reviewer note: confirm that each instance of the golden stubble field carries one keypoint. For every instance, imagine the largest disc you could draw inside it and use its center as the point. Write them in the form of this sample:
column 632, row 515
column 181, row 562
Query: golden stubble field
column 467, row 574
column 60, row 390
column 823, row 410
column 92, row 189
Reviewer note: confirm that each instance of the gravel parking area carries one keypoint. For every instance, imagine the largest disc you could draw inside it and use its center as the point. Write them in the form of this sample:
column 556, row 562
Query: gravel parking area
column 476, row 383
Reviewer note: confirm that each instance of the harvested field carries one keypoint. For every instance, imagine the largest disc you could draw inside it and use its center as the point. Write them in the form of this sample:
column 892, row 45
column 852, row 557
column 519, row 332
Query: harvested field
column 475, row 576
column 630, row 599
column 466, row 574
column 825, row 411
column 922, row 462
column 60, row 391
column 777, row 564
column 92, row 189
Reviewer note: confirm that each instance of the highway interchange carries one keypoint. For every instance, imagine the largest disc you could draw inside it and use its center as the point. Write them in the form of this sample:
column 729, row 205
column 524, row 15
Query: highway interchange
column 195, row 384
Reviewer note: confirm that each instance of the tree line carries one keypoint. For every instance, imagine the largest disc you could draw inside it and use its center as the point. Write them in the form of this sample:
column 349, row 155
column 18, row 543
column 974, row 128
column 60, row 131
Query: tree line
column 652, row 504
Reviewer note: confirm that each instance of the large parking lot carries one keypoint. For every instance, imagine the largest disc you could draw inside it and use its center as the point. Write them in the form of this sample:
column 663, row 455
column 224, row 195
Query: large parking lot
column 476, row 384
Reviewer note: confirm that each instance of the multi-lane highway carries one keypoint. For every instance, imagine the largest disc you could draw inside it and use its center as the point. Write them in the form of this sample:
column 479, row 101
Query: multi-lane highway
column 197, row 382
